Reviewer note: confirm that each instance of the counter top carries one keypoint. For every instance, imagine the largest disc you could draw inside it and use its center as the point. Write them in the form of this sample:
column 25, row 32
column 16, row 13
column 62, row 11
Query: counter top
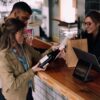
column 60, row 77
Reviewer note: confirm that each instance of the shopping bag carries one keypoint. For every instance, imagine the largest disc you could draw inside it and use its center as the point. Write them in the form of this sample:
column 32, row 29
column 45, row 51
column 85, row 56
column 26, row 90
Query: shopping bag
column 71, row 58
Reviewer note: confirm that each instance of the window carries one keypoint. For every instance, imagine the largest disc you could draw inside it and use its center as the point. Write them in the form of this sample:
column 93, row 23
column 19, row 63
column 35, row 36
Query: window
column 68, row 10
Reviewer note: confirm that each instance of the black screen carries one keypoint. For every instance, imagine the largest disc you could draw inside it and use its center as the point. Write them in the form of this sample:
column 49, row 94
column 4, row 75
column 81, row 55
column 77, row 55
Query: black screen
column 87, row 57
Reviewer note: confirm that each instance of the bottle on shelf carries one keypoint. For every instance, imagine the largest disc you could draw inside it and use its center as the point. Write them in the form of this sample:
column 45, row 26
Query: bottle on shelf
column 53, row 55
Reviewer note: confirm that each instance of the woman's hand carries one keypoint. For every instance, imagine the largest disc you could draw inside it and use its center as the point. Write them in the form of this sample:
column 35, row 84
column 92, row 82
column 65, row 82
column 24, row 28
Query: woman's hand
column 55, row 46
column 36, row 68
column 62, row 54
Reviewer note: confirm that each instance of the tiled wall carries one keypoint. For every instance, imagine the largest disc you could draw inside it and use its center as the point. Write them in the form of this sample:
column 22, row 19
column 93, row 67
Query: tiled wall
column 92, row 5
column 45, row 92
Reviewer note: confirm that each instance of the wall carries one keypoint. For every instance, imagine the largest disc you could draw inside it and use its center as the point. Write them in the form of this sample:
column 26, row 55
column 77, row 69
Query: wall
column 44, row 92
column 92, row 5
column 81, row 7
column 54, row 13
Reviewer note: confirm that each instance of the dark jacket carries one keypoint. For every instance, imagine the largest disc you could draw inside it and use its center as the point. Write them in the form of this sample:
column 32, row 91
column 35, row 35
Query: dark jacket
column 93, row 43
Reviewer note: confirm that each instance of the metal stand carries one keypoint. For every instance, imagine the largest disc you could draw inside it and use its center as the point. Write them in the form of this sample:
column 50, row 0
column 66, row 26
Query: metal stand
column 82, row 71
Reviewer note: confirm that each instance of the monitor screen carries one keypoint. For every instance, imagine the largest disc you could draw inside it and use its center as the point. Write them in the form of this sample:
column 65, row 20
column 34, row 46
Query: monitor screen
column 87, row 57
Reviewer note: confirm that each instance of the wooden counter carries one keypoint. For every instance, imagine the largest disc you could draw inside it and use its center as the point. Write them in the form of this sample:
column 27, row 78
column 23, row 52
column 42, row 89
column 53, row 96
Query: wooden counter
column 59, row 77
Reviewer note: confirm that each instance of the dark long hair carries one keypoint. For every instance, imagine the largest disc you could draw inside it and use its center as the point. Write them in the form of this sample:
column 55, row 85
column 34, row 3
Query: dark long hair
column 94, row 15
column 9, row 29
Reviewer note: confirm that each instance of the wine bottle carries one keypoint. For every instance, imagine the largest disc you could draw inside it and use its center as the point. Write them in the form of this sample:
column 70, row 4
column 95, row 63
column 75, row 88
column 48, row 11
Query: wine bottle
column 52, row 55
column 48, row 58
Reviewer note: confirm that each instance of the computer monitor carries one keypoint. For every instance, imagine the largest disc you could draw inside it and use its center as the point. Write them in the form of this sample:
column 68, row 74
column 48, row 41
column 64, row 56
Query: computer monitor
column 86, row 62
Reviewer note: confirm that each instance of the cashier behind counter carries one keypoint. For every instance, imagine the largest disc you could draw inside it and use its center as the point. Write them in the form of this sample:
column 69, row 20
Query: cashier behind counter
column 92, row 32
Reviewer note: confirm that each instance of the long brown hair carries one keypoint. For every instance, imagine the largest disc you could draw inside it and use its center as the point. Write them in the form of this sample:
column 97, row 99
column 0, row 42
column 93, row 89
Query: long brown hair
column 10, row 28
column 94, row 15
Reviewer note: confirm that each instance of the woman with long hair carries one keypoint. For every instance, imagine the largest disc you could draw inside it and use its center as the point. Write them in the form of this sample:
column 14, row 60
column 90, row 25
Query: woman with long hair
column 16, row 69
column 92, row 32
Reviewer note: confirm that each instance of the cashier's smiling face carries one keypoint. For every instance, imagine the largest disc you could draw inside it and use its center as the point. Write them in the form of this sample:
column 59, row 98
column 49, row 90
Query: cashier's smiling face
column 90, row 26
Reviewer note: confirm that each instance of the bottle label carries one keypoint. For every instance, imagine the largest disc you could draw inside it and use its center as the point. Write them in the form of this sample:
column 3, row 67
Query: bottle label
column 44, row 59
column 45, row 66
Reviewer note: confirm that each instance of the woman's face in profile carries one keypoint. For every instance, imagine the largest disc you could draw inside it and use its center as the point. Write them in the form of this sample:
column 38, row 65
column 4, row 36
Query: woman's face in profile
column 90, row 25
column 20, row 37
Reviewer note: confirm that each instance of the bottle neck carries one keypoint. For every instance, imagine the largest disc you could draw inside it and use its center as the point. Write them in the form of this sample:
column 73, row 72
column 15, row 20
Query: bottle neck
column 56, row 52
column 63, row 44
